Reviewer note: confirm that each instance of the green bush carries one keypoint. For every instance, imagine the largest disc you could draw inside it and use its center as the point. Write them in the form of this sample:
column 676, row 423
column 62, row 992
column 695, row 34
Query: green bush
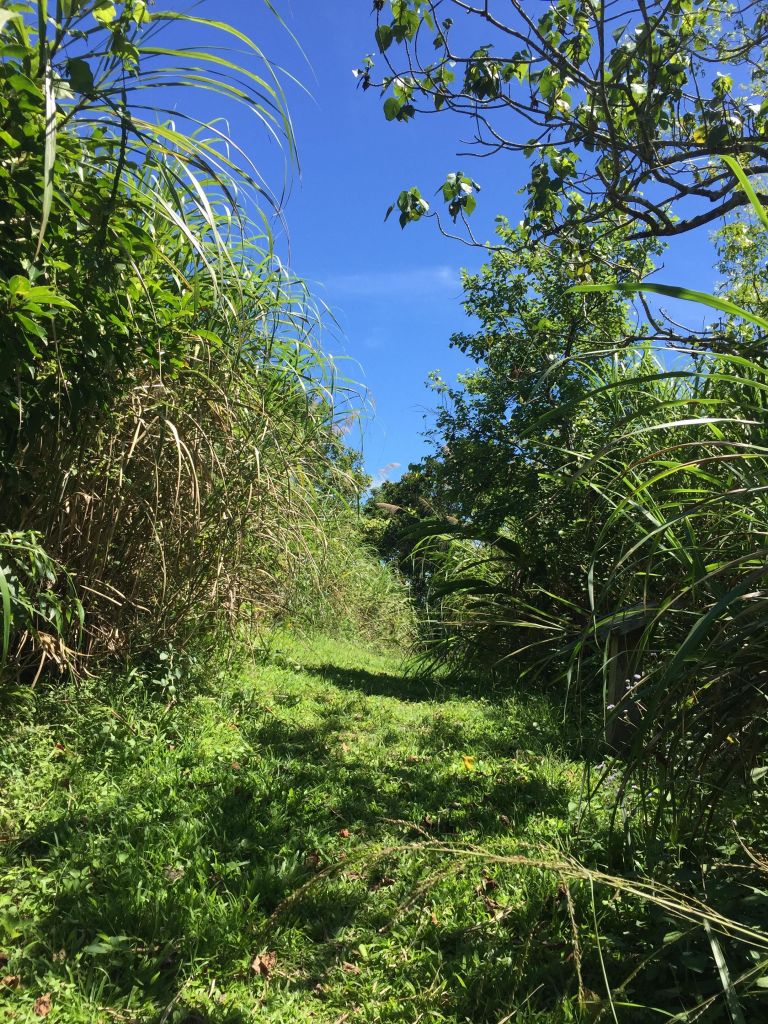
column 166, row 417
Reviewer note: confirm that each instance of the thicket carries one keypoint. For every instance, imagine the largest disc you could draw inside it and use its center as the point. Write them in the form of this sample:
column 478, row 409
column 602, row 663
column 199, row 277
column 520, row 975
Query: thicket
column 592, row 515
column 594, row 509
column 170, row 442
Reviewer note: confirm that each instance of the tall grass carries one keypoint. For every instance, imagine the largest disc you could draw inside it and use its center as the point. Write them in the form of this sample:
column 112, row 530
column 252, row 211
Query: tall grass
column 677, row 564
column 343, row 590
column 166, row 414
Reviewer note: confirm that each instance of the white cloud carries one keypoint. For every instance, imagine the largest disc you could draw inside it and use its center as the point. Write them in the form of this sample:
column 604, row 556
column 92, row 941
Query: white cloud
column 417, row 283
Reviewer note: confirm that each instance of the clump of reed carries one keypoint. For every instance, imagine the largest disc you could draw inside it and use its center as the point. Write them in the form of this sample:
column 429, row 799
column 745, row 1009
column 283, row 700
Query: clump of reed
column 167, row 417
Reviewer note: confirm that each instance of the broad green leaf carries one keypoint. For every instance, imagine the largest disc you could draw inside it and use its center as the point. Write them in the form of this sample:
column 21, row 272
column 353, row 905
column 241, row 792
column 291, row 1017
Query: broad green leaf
column 80, row 75
column 105, row 13
column 391, row 108
column 383, row 37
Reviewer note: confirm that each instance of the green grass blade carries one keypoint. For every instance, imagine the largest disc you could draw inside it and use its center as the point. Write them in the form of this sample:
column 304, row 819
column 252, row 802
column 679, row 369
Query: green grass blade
column 5, row 595
column 731, row 999
column 50, row 154
column 746, row 186
column 673, row 292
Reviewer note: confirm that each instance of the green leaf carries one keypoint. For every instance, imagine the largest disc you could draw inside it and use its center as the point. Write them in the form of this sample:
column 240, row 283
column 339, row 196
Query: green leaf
column 48, row 297
column 140, row 12
column 9, row 140
column 49, row 159
column 391, row 108
column 105, row 13
column 6, row 16
column 746, row 186
column 5, row 595
column 717, row 136
column 729, row 989
column 383, row 37
column 80, row 75
column 673, row 292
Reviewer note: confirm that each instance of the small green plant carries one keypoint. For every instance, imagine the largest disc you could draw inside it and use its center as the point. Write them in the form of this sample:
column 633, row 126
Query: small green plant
column 41, row 615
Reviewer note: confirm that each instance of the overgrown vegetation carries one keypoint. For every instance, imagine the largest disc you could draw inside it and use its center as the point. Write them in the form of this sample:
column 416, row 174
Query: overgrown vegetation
column 324, row 835
column 556, row 809
column 168, row 419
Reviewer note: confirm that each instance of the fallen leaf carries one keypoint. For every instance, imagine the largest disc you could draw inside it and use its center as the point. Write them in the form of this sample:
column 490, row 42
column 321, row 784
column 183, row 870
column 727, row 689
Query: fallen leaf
column 173, row 872
column 469, row 762
column 10, row 981
column 235, row 766
column 494, row 909
column 486, row 885
column 263, row 964
column 504, row 820
column 312, row 860
column 43, row 1005
column 345, row 747
column 350, row 968
column 383, row 883
column 344, row 833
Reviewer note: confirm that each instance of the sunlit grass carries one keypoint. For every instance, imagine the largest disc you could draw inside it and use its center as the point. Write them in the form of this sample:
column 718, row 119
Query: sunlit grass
column 322, row 833
column 152, row 851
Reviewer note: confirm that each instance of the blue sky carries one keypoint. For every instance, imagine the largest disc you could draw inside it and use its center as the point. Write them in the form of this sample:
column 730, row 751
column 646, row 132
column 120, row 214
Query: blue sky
column 396, row 294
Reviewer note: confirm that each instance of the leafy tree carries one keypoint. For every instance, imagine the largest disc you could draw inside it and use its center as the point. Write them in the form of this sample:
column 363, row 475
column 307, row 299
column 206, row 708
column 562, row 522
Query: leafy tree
column 396, row 515
column 499, row 516
column 620, row 107
column 535, row 350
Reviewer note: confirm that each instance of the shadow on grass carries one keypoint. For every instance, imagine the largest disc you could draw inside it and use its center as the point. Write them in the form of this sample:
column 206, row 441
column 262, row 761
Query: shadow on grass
column 406, row 687
column 502, row 738
column 190, row 863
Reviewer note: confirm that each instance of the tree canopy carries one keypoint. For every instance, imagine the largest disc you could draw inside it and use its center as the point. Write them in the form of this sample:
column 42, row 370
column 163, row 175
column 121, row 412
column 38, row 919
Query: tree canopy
column 619, row 106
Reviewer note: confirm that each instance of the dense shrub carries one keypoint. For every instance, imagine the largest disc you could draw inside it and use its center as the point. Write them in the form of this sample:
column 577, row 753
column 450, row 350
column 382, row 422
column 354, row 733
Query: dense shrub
column 166, row 417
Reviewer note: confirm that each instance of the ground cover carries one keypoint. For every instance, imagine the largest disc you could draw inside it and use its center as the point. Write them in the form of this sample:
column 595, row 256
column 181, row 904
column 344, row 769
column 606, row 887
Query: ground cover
column 152, row 853
column 279, row 844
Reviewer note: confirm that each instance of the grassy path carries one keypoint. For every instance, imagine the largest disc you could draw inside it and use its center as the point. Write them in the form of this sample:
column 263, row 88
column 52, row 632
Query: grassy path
column 264, row 850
